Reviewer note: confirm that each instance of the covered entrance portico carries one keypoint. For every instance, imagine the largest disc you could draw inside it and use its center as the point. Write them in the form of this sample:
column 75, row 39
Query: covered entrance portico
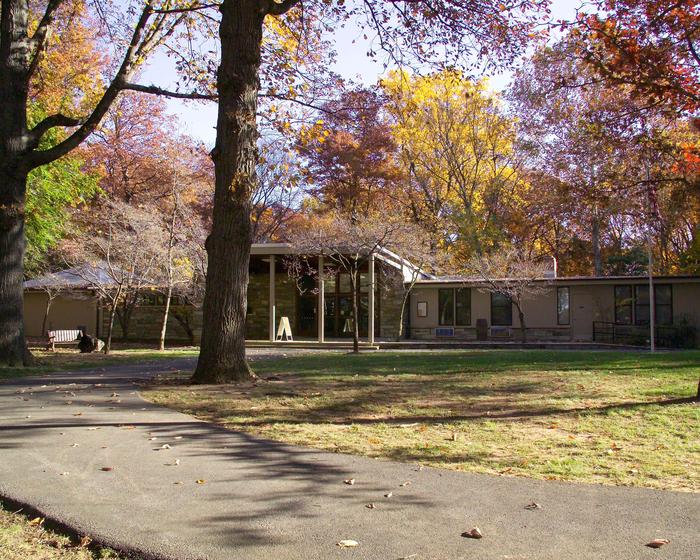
column 330, row 291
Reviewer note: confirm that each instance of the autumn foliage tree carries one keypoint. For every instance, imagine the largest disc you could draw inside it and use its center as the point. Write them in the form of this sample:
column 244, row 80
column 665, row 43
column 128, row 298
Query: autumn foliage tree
column 649, row 46
column 26, row 38
column 445, row 31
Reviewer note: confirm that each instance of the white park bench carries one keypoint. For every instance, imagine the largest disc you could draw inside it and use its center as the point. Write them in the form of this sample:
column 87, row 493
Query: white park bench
column 63, row 337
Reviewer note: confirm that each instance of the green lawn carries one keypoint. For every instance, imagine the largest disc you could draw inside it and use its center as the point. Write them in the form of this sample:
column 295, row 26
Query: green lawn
column 22, row 538
column 64, row 359
column 621, row 418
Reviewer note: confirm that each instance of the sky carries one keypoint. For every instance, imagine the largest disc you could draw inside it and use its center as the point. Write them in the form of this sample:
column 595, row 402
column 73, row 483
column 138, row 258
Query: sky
column 198, row 119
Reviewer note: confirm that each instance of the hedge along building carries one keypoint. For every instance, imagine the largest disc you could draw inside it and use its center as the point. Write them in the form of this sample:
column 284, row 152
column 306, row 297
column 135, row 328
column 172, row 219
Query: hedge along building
column 579, row 309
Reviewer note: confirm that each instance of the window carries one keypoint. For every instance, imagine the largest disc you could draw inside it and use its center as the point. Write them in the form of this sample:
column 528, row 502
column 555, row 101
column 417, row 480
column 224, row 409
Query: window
column 623, row 305
column 501, row 310
column 463, row 306
column 641, row 305
column 446, row 306
column 422, row 309
column 455, row 306
column 663, row 303
column 563, row 306
column 632, row 304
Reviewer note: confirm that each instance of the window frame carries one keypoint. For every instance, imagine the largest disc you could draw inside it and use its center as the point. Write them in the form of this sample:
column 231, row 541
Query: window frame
column 560, row 289
column 629, row 305
column 453, row 320
column 635, row 305
column 509, row 307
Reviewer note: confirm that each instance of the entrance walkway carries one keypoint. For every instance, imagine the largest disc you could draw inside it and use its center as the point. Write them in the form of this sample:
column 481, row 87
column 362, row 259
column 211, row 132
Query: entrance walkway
column 84, row 449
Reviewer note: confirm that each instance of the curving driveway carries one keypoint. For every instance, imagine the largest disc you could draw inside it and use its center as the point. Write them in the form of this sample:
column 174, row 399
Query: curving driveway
column 262, row 500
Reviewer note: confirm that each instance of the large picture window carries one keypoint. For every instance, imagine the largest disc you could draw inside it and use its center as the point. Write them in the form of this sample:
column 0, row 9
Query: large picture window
column 501, row 310
column 623, row 305
column 446, row 306
column 455, row 305
column 463, row 307
column 563, row 306
column 632, row 304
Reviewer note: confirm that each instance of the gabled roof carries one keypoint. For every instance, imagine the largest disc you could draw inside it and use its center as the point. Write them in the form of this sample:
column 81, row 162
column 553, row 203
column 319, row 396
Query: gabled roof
column 81, row 277
column 407, row 268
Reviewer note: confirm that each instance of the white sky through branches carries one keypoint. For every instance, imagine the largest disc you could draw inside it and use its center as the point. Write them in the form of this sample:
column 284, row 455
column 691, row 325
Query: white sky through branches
column 199, row 119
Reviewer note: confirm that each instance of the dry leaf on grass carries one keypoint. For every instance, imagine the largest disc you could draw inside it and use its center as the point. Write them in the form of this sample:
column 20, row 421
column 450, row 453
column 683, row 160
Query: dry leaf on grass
column 473, row 533
column 38, row 521
column 85, row 541
column 657, row 543
column 347, row 543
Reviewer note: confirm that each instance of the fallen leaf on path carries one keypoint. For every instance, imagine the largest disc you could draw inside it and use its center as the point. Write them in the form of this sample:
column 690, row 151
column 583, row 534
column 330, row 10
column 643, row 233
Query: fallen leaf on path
column 201, row 481
column 407, row 483
column 349, row 481
column 152, row 438
column 371, row 506
column 347, row 543
column 178, row 437
column 388, row 494
column 178, row 482
column 473, row 533
column 75, row 445
column 177, row 462
column 165, row 446
column 657, row 543
column 533, row 505
column 107, row 469
column 93, row 428
column 65, row 473
column 78, row 414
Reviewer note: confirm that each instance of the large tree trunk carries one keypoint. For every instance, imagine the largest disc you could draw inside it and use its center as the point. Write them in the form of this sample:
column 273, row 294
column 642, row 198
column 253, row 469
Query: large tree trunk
column 222, row 354
column 14, row 86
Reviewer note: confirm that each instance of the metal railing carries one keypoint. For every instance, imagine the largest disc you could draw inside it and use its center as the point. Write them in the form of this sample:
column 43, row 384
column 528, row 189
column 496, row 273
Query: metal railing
column 638, row 335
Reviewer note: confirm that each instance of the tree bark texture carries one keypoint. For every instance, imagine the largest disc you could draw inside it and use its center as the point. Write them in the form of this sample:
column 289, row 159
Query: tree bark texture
column 14, row 88
column 222, row 354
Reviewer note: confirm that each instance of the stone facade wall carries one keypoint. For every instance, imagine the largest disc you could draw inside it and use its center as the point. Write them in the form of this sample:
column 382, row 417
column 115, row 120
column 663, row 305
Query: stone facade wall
column 146, row 322
column 146, row 319
column 390, row 306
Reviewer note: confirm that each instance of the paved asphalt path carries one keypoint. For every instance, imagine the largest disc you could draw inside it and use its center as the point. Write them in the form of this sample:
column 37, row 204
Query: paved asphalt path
column 264, row 500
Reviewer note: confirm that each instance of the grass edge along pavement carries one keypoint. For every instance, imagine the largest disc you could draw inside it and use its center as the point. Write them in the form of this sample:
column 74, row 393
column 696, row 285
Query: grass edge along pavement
column 618, row 418
column 65, row 359
column 25, row 534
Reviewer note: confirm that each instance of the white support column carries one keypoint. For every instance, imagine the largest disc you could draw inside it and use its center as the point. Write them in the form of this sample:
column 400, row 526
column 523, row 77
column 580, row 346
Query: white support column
column 320, row 311
column 370, row 310
column 272, row 306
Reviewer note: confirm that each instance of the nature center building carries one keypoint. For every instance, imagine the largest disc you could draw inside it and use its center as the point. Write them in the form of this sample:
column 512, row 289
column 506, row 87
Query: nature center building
column 437, row 309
